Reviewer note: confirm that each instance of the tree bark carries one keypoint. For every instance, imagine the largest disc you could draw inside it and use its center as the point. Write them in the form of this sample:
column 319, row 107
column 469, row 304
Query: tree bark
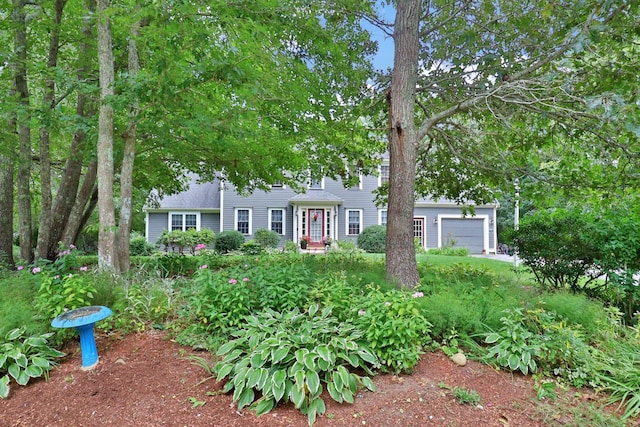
column 48, row 105
column 68, row 201
column 82, row 204
column 6, row 202
column 401, row 265
column 107, row 256
column 126, row 173
column 24, row 130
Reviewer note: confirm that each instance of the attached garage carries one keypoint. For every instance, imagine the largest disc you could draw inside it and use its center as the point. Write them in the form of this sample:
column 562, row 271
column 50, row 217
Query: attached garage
column 461, row 232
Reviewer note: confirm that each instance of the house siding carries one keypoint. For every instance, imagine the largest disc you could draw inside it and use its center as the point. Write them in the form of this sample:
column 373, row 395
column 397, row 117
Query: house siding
column 335, row 200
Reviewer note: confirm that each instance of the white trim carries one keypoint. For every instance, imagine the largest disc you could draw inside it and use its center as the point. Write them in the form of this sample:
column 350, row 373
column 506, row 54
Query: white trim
column 380, row 215
column 235, row 220
column 183, row 214
column 146, row 225
column 485, row 227
column 221, row 207
column 284, row 219
column 380, row 173
column 321, row 184
column 423, row 218
column 346, row 221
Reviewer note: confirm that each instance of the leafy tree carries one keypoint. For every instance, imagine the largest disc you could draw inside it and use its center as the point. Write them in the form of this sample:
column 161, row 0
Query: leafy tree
column 470, row 78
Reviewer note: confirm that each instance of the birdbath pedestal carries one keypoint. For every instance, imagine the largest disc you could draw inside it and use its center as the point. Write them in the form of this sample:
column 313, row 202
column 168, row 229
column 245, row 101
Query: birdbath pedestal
column 83, row 320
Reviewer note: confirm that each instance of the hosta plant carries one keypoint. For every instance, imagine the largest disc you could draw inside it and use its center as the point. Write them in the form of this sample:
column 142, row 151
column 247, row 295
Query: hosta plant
column 23, row 358
column 292, row 356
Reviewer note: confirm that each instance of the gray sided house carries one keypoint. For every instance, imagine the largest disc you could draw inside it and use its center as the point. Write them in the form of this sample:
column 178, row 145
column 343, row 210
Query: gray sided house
column 327, row 209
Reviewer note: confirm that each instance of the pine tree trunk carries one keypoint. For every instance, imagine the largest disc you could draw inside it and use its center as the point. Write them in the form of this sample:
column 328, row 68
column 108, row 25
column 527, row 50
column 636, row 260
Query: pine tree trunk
column 107, row 255
column 6, row 206
column 401, row 257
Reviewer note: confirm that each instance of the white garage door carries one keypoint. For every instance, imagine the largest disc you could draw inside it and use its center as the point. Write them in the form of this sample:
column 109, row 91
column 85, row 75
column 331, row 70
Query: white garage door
column 464, row 233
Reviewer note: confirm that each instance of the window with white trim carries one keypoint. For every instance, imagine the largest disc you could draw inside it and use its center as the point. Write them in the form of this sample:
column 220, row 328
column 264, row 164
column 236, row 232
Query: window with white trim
column 316, row 184
column 354, row 221
column 384, row 174
column 276, row 221
column 243, row 220
column 184, row 221
column 382, row 216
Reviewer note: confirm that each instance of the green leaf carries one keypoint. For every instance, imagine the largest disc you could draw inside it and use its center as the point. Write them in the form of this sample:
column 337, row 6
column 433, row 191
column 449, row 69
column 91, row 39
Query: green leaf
column 347, row 395
column 309, row 361
column 368, row 383
column 41, row 362
column 246, row 398
column 313, row 381
column 4, row 386
column 277, row 354
column 335, row 394
column 278, row 378
column 14, row 370
column 514, row 362
column 223, row 370
column 263, row 406
column 23, row 378
column 14, row 334
column 297, row 396
column 278, row 391
column 34, row 371
column 226, row 347
column 491, row 338
column 368, row 357
column 257, row 361
column 313, row 309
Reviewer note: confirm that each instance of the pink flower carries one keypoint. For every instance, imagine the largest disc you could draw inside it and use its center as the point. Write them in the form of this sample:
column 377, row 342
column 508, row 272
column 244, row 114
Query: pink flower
column 361, row 312
column 418, row 295
column 204, row 267
column 35, row 270
column 72, row 246
column 200, row 246
column 233, row 281
column 57, row 276
column 387, row 303
column 20, row 267
column 83, row 268
column 246, row 279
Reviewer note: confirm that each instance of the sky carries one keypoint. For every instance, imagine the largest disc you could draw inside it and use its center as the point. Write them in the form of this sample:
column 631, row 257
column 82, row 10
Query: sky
column 384, row 57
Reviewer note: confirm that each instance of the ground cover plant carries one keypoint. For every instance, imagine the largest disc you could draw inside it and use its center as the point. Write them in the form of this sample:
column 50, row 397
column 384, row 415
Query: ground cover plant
column 461, row 302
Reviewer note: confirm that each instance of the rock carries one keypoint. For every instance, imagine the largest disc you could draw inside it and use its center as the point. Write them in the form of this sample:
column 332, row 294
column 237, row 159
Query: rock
column 459, row 359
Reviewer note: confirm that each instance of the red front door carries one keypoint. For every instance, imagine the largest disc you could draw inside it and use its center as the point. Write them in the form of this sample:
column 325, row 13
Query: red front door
column 316, row 226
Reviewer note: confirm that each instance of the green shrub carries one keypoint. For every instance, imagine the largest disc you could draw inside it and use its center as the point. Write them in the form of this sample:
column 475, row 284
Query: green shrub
column 394, row 329
column 279, row 285
column 577, row 309
column 559, row 247
column 174, row 264
column 23, row 358
column 138, row 245
column 338, row 293
column 229, row 241
column 373, row 239
column 532, row 339
column 449, row 251
column 266, row 238
column 251, row 248
column 192, row 240
column 289, row 357
column 220, row 300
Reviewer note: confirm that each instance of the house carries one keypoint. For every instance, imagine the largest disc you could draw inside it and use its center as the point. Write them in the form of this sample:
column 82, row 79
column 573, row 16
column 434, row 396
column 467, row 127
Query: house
column 327, row 208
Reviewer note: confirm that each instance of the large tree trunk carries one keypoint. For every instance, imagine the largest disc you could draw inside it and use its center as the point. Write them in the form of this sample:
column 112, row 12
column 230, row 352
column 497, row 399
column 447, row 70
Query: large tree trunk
column 6, row 203
column 107, row 256
column 67, row 194
column 24, row 131
column 48, row 101
column 126, row 174
column 82, row 204
column 401, row 256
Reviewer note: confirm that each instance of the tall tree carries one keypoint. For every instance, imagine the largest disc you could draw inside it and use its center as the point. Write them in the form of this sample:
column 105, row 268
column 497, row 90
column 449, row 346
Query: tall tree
column 107, row 255
column 481, row 65
column 24, row 128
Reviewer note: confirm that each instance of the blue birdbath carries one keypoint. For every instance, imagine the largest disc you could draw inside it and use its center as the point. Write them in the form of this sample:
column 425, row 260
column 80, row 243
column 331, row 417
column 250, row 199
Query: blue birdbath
column 83, row 320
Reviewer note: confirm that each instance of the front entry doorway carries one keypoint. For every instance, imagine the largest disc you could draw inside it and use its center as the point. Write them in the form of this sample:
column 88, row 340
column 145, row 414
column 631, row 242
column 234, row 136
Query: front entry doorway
column 315, row 226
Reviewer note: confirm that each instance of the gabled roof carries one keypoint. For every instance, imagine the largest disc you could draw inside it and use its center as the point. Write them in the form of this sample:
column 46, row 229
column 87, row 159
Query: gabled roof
column 316, row 196
column 197, row 196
